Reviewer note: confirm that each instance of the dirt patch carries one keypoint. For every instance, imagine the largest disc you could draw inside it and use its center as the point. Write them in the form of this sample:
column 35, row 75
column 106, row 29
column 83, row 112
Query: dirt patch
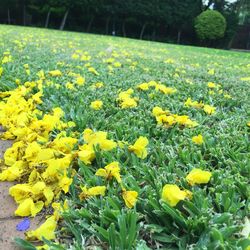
column 8, row 206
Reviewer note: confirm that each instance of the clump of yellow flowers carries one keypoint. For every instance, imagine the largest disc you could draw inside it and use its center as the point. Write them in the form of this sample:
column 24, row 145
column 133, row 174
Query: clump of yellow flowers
column 200, row 105
column 157, row 86
column 43, row 162
column 172, row 194
column 166, row 119
column 125, row 100
column 198, row 139
column 96, row 105
column 139, row 148
column 198, row 176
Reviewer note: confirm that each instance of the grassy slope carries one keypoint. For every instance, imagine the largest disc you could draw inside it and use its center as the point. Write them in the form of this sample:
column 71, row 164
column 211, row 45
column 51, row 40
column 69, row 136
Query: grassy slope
column 215, row 214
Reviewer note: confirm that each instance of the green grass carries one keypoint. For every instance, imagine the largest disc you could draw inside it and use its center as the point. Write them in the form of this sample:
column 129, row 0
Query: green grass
column 214, row 217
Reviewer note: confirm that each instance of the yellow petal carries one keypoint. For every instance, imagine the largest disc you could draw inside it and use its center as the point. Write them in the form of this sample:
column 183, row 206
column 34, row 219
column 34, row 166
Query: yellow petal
column 28, row 207
column 130, row 198
column 198, row 176
column 98, row 190
column 139, row 148
column 46, row 230
column 101, row 172
column 172, row 194
column 197, row 139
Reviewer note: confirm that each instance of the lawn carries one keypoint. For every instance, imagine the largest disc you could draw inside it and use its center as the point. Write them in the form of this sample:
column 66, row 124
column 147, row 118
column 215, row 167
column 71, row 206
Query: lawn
column 126, row 144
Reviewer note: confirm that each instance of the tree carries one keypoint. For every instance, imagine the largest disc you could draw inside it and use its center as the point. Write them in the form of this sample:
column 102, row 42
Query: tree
column 183, row 13
column 210, row 25
column 60, row 7
column 144, row 14
column 7, row 5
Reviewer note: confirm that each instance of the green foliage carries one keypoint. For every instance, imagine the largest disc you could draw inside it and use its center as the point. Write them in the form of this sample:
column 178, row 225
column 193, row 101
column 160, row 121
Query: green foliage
column 163, row 20
column 214, row 217
column 210, row 25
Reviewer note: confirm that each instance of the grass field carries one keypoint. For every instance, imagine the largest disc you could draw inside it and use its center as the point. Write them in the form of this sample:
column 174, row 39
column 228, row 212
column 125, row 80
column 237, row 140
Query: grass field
column 176, row 150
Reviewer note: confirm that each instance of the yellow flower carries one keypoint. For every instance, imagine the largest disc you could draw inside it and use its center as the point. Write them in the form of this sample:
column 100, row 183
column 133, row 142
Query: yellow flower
column 98, row 138
column 41, row 74
column 64, row 144
column 80, row 80
column 165, row 90
column 55, row 72
column 143, row 86
column 130, row 198
column 32, row 151
column 98, row 85
column 125, row 99
column 13, row 172
column 157, row 111
column 6, row 59
column 227, row 96
column 20, row 192
column 48, row 194
column 96, row 105
column 182, row 119
column 128, row 103
column 197, row 139
column 211, row 85
column 85, row 58
column 111, row 170
column 172, row 194
column 69, row 85
column 211, row 72
column 209, row 109
column 59, row 208
column 152, row 83
column 75, row 56
column 93, row 70
column 139, row 148
column 43, row 247
column 198, row 176
column 169, row 61
column 46, row 230
column 94, row 191
column 65, row 183
column 45, row 154
column 117, row 64
column 27, row 207
column 86, row 154
column 195, row 104
column 56, row 166
column 248, row 124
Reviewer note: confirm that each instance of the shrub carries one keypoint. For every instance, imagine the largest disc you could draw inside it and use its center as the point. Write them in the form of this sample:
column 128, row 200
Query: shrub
column 210, row 25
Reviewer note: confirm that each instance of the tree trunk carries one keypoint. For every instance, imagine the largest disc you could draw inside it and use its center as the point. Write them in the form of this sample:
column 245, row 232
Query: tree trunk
column 64, row 20
column 124, row 28
column 154, row 34
column 230, row 43
column 90, row 23
column 9, row 16
column 107, row 25
column 142, row 30
column 47, row 19
column 179, row 36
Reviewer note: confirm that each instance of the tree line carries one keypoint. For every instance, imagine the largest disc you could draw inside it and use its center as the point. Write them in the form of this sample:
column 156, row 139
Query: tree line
column 161, row 20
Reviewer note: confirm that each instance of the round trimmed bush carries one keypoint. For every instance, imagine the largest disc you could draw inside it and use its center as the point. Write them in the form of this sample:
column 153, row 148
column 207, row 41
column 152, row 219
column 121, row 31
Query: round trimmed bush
column 210, row 25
